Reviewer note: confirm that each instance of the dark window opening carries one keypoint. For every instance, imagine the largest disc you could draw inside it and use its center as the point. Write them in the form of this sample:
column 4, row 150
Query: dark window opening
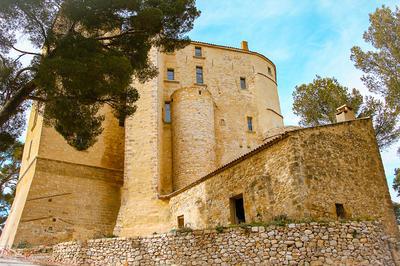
column 237, row 210
column 181, row 221
column 29, row 151
column 340, row 213
column 167, row 112
column 35, row 117
column 269, row 71
column 198, row 52
column 243, row 83
column 170, row 74
column 121, row 122
column 54, row 219
column 249, row 123
column 199, row 92
column 199, row 75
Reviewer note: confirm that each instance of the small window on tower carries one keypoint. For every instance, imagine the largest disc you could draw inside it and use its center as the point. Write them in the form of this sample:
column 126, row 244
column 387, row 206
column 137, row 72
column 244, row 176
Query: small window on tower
column 250, row 123
column 35, row 116
column 170, row 74
column 29, row 151
column 199, row 75
column 198, row 52
column 121, row 122
column 181, row 221
column 243, row 85
column 269, row 71
column 167, row 112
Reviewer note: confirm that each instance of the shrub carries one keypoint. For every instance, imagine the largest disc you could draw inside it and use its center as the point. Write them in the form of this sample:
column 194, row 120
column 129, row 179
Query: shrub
column 219, row 229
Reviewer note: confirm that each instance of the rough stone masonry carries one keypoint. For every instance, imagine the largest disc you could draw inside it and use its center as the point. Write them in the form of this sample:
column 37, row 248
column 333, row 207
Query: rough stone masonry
column 207, row 147
column 347, row 243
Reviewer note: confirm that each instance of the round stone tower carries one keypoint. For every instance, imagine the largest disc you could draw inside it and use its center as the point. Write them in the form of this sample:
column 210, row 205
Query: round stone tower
column 193, row 135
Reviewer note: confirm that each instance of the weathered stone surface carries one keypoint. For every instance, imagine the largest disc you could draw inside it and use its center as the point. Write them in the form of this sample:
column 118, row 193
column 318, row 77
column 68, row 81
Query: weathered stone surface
column 250, row 248
column 197, row 164
column 301, row 176
column 62, row 193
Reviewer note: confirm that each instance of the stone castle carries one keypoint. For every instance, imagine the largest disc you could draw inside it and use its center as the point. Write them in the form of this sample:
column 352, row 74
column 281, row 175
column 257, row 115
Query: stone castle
column 206, row 147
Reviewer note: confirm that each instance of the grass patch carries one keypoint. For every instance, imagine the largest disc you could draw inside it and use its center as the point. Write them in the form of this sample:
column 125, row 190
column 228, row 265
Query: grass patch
column 23, row 245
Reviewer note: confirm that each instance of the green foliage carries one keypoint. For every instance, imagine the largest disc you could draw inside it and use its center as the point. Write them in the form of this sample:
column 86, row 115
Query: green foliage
column 381, row 66
column 396, row 181
column 90, row 51
column 396, row 206
column 110, row 236
column 184, row 229
column 23, row 245
column 220, row 229
column 10, row 79
column 316, row 104
column 10, row 161
column 385, row 121
column 281, row 220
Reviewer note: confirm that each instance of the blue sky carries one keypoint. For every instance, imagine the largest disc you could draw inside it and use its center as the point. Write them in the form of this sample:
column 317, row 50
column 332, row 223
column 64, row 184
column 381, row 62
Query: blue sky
column 303, row 38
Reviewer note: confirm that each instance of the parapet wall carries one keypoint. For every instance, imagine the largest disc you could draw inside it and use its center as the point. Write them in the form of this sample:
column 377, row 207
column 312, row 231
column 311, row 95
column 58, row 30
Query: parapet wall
column 350, row 243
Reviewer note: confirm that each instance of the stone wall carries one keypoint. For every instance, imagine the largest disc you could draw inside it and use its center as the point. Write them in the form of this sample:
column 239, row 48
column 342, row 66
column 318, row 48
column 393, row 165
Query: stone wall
column 65, row 194
column 141, row 212
column 341, row 164
column 265, row 185
column 68, row 202
column 302, row 174
column 350, row 243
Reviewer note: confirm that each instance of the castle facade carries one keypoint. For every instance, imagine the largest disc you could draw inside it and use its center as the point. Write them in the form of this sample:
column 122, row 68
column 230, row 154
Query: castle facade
column 206, row 147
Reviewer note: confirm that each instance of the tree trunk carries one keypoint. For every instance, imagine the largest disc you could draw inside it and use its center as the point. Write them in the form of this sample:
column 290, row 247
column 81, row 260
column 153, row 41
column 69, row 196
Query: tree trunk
column 10, row 108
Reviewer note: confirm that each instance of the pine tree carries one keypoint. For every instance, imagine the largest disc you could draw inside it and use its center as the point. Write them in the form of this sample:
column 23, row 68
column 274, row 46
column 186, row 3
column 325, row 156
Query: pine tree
column 87, row 52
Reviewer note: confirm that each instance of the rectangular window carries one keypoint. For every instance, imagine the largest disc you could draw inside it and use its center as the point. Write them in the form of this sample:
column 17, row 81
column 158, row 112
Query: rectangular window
column 237, row 210
column 340, row 213
column 198, row 52
column 167, row 112
column 181, row 221
column 29, row 150
column 35, row 117
column 199, row 75
column 250, row 123
column 170, row 74
column 121, row 121
column 243, row 83
column 269, row 71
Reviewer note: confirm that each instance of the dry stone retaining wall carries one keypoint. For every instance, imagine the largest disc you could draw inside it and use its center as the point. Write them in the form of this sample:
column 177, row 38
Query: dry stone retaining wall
column 350, row 243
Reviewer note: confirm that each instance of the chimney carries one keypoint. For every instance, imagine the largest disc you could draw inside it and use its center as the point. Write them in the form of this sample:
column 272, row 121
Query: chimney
column 344, row 113
column 245, row 45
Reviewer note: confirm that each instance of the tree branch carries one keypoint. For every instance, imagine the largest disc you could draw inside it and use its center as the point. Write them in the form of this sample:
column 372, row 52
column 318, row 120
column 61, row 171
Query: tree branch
column 10, row 107
column 35, row 98
column 39, row 23
column 22, row 71
column 118, row 35
column 25, row 52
